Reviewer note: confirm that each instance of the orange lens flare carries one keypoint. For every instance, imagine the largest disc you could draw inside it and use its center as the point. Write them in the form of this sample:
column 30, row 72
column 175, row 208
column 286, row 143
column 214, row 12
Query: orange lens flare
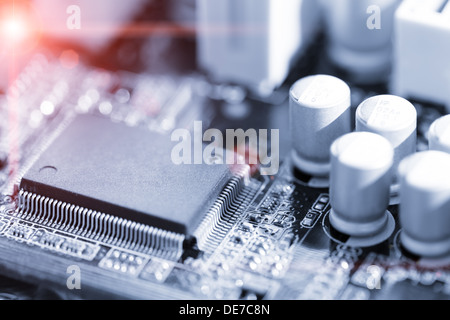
column 19, row 26
column 15, row 29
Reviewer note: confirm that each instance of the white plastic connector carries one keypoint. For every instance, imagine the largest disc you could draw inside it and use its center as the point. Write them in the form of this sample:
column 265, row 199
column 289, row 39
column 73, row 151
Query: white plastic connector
column 253, row 42
column 422, row 51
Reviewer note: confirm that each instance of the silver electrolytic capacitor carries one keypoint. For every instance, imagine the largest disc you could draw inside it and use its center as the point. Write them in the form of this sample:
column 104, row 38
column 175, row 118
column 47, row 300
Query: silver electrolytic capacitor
column 425, row 203
column 319, row 113
column 392, row 117
column 361, row 174
column 359, row 36
column 439, row 134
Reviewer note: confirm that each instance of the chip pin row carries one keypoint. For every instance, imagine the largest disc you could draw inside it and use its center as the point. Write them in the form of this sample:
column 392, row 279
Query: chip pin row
column 99, row 226
column 223, row 213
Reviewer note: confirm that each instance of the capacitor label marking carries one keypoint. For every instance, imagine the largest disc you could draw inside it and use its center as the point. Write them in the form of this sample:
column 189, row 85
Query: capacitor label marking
column 384, row 115
column 319, row 92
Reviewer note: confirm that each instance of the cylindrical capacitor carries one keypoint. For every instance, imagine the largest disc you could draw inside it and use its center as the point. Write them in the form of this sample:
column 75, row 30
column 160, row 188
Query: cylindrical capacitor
column 360, row 178
column 425, row 203
column 439, row 134
column 360, row 36
column 319, row 113
column 392, row 117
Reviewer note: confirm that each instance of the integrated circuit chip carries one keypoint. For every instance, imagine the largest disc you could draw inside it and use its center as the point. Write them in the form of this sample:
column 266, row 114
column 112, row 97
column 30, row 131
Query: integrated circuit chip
column 122, row 172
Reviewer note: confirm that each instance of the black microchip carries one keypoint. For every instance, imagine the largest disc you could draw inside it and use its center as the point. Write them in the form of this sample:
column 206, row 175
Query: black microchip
column 125, row 172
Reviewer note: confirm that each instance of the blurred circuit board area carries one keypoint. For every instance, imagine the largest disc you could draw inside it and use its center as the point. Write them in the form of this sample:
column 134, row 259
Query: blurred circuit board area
column 274, row 242
column 188, row 153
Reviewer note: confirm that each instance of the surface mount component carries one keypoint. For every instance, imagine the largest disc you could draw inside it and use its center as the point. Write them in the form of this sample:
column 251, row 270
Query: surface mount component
column 425, row 203
column 361, row 174
column 119, row 183
column 319, row 113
